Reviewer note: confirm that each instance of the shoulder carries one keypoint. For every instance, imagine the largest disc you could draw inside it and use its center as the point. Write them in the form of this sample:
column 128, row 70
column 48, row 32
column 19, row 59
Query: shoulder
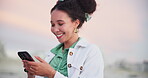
column 94, row 54
column 93, row 46
column 85, row 44
column 94, row 51
column 88, row 47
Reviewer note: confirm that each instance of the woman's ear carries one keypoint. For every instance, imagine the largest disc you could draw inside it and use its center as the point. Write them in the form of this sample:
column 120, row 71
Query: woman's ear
column 77, row 22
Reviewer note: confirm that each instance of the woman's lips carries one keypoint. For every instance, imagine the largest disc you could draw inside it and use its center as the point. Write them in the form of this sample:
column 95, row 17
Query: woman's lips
column 59, row 36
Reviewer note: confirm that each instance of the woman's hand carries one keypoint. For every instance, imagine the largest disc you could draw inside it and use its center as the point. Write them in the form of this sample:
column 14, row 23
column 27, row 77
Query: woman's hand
column 26, row 66
column 41, row 68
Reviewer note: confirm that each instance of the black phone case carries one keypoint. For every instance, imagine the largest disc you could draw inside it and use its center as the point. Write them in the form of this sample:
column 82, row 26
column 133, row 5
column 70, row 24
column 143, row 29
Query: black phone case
column 24, row 55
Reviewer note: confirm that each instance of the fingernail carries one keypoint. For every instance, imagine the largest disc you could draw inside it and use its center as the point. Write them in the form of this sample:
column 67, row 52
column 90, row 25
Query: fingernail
column 23, row 60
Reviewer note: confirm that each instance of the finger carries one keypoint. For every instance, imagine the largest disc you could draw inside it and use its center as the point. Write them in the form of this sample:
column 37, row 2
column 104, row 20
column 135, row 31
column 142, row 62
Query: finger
column 31, row 73
column 27, row 65
column 24, row 60
column 31, row 63
column 24, row 63
column 31, row 70
column 41, row 60
column 26, row 69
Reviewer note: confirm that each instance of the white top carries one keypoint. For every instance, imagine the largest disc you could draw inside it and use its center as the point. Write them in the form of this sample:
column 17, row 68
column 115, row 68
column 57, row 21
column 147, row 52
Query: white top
column 83, row 61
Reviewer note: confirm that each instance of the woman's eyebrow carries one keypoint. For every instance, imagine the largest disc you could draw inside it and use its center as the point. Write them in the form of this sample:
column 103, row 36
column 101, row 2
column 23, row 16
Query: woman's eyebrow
column 60, row 21
column 57, row 21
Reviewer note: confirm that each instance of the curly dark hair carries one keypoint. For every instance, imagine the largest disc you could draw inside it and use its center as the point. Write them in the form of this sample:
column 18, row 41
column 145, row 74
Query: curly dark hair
column 76, row 9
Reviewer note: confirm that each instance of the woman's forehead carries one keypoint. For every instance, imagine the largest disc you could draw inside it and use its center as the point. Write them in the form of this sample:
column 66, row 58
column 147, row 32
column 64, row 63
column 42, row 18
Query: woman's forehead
column 59, row 15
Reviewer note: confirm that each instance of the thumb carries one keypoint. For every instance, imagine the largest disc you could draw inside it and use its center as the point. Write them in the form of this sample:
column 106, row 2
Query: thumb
column 39, row 59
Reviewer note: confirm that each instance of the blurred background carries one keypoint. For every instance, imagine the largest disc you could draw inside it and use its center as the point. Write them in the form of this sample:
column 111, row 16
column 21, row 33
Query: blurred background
column 118, row 27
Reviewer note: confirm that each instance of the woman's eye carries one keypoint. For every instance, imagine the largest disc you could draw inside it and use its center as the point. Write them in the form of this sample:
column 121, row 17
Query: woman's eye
column 52, row 25
column 60, row 24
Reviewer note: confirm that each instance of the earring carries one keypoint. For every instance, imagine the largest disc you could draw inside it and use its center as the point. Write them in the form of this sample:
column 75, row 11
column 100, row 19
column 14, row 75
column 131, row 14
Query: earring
column 76, row 30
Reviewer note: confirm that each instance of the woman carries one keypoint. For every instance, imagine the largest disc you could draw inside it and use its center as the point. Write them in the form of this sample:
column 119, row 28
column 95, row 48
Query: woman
column 74, row 57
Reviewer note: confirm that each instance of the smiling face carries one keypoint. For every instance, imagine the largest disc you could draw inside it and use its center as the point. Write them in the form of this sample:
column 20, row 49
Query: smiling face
column 63, row 27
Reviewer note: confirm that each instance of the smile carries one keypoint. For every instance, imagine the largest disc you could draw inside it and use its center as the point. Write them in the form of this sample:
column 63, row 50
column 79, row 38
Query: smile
column 59, row 36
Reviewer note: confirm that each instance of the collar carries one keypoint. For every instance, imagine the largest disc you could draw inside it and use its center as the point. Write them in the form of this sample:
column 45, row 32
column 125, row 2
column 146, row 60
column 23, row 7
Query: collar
column 82, row 43
column 57, row 48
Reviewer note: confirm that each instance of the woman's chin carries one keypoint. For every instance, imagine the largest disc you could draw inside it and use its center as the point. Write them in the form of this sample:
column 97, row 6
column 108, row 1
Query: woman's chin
column 61, row 40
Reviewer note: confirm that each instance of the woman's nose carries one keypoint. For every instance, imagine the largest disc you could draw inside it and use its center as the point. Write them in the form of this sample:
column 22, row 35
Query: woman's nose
column 55, row 29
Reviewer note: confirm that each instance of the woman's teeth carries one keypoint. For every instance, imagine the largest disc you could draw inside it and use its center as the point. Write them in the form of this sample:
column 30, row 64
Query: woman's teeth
column 59, row 35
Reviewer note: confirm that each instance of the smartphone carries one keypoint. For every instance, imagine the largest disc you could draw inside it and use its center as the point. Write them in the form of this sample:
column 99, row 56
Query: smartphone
column 24, row 55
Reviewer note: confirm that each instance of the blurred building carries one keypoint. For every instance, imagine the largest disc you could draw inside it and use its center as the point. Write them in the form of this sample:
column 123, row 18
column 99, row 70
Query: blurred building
column 145, row 66
column 132, row 66
column 2, row 50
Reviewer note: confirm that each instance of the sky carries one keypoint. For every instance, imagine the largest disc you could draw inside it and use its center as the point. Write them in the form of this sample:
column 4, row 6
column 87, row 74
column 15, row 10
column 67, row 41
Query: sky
column 118, row 28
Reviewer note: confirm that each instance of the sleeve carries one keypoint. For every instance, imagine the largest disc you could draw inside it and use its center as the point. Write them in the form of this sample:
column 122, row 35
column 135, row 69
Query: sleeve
column 94, row 64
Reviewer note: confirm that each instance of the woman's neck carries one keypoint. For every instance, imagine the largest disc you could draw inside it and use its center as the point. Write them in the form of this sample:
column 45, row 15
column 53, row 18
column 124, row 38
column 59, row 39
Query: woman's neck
column 70, row 42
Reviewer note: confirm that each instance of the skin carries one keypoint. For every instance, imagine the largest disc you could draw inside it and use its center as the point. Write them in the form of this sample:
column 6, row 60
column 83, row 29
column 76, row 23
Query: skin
column 63, row 28
column 41, row 68
column 61, row 23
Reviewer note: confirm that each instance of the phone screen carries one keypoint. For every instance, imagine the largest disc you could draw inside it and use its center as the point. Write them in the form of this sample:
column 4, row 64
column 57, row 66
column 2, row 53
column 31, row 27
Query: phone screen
column 24, row 55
